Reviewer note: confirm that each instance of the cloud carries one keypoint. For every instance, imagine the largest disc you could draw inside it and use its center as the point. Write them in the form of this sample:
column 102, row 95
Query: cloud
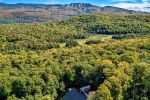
column 51, row 2
column 138, row 5
column 135, row 6
column 121, row 1
column 145, row 0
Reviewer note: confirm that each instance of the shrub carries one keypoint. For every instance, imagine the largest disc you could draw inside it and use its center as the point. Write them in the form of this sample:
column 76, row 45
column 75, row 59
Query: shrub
column 93, row 42
column 71, row 43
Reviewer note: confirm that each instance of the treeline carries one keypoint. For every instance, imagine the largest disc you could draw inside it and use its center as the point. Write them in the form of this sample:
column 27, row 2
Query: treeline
column 111, row 24
column 129, row 36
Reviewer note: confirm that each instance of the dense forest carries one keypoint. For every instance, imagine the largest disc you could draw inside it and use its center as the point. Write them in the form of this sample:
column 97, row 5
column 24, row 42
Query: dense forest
column 40, row 61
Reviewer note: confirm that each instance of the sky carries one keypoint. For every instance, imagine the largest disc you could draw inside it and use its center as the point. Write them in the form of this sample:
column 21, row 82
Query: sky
column 129, row 4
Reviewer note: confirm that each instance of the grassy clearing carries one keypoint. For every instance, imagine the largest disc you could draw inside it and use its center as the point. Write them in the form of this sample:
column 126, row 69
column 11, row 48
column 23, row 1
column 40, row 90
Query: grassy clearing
column 95, row 37
column 91, row 37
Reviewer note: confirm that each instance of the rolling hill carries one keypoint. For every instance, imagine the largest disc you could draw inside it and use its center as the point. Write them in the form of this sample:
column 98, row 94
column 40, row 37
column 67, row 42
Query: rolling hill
column 93, row 23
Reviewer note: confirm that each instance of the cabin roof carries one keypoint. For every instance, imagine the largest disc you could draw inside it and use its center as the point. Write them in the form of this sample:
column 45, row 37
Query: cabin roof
column 85, row 90
column 74, row 94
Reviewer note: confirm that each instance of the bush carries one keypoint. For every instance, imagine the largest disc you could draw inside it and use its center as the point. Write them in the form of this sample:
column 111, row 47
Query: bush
column 93, row 42
column 77, row 36
column 42, row 46
column 145, row 46
column 71, row 43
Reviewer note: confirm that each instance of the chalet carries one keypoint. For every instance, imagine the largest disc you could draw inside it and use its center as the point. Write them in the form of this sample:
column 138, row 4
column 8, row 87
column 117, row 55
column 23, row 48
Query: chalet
column 75, row 94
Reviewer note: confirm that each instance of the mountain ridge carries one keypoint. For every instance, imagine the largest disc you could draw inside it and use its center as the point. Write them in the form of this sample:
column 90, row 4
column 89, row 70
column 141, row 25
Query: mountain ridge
column 48, row 12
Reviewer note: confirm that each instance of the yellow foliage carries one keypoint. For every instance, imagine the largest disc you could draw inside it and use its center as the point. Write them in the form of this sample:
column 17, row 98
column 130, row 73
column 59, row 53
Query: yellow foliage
column 1, row 55
column 53, row 50
column 123, row 64
column 107, row 62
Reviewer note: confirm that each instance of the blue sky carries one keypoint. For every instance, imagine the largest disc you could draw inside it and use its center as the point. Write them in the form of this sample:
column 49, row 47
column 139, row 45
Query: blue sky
column 97, row 2
column 128, row 4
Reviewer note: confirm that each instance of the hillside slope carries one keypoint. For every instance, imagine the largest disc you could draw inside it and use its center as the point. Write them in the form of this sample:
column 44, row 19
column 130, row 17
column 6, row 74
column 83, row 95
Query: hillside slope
column 52, row 34
column 94, row 23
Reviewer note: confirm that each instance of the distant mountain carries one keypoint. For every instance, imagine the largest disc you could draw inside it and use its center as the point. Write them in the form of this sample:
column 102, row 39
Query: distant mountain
column 1, row 3
column 22, row 13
